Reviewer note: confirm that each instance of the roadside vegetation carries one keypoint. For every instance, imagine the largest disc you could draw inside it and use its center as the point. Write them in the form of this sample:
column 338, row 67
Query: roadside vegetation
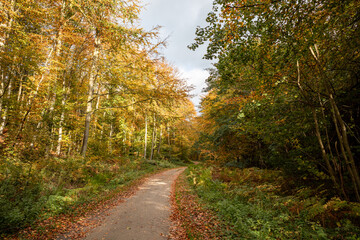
column 190, row 218
column 253, row 203
column 279, row 126
column 63, row 189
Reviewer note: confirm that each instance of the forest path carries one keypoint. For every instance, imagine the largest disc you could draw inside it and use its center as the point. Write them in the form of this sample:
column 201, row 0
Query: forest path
column 144, row 216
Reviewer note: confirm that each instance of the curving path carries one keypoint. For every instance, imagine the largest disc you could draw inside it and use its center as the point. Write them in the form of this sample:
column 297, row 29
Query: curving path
column 144, row 216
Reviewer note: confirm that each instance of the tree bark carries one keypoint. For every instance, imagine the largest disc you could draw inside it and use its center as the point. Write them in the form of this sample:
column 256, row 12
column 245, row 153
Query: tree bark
column 7, row 25
column 146, row 133
column 62, row 117
column 160, row 138
column 110, row 136
column 2, row 89
column 168, row 134
column 92, row 79
column 323, row 150
column 153, row 139
column 65, row 92
column 6, row 109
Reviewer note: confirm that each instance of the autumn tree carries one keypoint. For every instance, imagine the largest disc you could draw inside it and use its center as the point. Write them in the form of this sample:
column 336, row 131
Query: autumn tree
column 291, row 69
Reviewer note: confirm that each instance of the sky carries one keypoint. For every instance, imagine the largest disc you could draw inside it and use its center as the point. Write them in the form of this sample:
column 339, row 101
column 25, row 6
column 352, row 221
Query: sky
column 178, row 20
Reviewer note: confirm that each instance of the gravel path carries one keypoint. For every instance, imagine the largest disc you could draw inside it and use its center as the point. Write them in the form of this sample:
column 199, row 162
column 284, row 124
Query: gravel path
column 144, row 216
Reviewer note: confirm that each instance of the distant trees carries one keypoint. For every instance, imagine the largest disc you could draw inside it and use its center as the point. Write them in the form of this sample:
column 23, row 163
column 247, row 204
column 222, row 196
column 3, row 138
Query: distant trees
column 285, row 90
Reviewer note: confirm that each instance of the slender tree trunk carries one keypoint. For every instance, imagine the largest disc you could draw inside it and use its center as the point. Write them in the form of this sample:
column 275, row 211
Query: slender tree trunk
column 335, row 161
column 56, row 75
column 352, row 171
column 124, row 142
column 93, row 73
column 65, row 92
column 146, row 133
column 168, row 134
column 340, row 169
column 7, row 25
column 160, row 139
column 2, row 90
column 341, row 129
column 70, row 144
column 95, row 117
column 345, row 140
column 323, row 151
column 110, row 137
column 153, row 139
column 20, row 90
column 62, row 117
column 130, row 142
column 344, row 155
column 6, row 109
column 61, row 123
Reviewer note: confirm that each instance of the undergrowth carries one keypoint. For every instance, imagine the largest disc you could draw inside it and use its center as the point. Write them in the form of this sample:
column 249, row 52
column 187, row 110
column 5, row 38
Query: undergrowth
column 31, row 192
column 252, row 204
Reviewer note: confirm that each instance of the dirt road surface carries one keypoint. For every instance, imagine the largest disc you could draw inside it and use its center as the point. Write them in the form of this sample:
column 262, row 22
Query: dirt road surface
column 144, row 216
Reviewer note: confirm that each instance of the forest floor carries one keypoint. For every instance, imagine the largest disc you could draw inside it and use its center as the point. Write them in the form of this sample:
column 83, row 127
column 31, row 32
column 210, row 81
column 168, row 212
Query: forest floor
column 145, row 215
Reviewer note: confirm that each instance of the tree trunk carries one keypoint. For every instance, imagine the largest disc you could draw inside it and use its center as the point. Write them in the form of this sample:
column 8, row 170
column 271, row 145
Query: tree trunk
column 339, row 125
column 344, row 155
column 160, row 136
column 6, row 109
column 336, row 161
column 146, row 133
column 124, row 142
column 70, row 144
column 153, row 139
column 110, row 136
column 97, row 105
column 7, row 25
column 34, row 94
column 345, row 140
column 2, row 90
column 168, row 134
column 65, row 92
column 20, row 91
column 92, row 78
column 55, row 76
column 323, row 151
column 62, row 117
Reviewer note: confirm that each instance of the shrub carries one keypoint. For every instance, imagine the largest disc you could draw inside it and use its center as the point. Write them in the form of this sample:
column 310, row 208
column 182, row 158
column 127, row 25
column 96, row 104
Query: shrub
column 20, row 204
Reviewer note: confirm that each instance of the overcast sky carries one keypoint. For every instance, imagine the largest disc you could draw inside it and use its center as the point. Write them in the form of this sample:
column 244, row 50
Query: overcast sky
column 178, row 20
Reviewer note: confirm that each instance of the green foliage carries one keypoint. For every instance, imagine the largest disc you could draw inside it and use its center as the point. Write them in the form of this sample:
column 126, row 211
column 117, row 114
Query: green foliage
column 34, row 191
column 21, row 198
column 20, row 204
column 252, row 203
column 284, row 88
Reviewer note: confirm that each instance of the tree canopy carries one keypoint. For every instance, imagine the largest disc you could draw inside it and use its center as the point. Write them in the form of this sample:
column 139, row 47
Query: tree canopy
column 284, row 91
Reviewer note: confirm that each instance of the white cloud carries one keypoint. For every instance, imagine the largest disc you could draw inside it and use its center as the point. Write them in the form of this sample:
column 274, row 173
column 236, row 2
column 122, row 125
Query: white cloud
column 196, row 78
column 179, row 19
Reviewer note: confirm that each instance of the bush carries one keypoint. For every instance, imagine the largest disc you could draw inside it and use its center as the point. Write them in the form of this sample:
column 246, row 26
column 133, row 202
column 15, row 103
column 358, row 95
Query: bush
column 20, row 204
